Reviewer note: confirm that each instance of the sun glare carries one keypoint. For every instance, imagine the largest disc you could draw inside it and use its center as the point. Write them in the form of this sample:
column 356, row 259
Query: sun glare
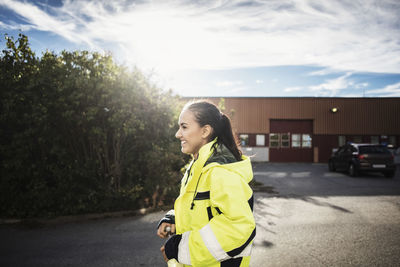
column 165, row 41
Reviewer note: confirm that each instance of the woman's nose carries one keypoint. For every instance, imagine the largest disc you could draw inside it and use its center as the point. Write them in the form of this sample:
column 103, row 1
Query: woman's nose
column 178, row 134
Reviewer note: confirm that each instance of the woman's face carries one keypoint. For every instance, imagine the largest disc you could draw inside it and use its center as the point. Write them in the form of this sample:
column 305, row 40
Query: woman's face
column 191, row 134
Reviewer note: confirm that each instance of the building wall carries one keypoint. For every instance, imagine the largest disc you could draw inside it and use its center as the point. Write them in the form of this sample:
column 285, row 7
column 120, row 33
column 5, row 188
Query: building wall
column 354, row 116
column 356, row 119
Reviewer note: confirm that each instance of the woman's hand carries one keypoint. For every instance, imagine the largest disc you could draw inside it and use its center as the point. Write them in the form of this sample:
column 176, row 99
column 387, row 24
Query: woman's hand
column 162, row 231
column 162, row 249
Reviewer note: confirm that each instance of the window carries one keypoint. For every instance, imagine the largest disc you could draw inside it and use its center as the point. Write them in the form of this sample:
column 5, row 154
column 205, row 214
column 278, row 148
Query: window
column 285, row 140
column 306, row 140
column 374, row 150
column 274, row 140
column 279, row 140
column 296, row 140
column 244, row 139
column 301, row 140
column 357, row 139
column 341, row 140
column 260, row 140
column 374, row 139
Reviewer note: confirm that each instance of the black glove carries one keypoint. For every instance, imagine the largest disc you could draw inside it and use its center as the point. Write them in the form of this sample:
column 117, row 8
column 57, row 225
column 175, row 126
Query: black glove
column 171, row 246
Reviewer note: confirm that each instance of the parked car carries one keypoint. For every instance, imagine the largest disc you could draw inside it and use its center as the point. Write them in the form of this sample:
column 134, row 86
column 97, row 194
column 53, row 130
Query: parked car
column 355, row 158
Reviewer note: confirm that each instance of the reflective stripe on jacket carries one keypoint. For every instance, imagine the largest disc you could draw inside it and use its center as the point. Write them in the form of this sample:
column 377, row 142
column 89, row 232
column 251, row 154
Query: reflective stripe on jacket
column 213, row 212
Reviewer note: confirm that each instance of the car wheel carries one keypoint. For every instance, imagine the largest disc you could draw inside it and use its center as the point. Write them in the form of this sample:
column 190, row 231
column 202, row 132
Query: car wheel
column 331, row 166
column 389, row 174
column 352, row 170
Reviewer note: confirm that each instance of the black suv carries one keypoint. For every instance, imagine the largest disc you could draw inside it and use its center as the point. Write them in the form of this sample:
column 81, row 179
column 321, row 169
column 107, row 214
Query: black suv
column 355, row 158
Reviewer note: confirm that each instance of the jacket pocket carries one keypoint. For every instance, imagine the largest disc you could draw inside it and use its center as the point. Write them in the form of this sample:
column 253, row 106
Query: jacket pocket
column 202, row 195
column 200, row 209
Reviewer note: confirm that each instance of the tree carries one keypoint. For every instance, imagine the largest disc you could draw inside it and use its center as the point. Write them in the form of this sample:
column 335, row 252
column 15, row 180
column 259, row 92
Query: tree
column 80, row 133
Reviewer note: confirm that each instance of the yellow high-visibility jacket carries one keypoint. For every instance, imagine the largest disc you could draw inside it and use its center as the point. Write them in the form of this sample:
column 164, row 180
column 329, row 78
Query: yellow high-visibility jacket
column 213, row 212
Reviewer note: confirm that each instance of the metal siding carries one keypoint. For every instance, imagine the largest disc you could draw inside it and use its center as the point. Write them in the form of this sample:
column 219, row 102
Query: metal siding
column 291, row 126
column 356, row 116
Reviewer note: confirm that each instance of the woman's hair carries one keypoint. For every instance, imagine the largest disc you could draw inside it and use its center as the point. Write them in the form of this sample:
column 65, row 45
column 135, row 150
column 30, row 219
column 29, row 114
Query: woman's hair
column 207, row 113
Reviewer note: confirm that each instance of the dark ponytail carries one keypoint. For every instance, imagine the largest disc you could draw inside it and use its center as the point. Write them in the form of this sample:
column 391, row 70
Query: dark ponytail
column 207, row 113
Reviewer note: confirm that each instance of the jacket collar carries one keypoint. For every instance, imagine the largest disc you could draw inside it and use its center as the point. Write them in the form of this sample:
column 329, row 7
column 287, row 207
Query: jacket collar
column 205, row 152
column 197, row 165
column 242, row 168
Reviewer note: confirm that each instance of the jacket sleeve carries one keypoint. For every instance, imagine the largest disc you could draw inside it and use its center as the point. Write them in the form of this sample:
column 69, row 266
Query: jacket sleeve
column 169, row 217
column 229, row 234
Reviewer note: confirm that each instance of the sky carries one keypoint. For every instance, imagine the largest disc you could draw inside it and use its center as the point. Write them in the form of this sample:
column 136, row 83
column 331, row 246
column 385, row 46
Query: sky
column 264, row 48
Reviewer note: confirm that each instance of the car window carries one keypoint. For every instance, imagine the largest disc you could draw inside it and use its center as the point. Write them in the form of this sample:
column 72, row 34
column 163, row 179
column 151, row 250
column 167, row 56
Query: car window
column 348, row 149
column 374, row 150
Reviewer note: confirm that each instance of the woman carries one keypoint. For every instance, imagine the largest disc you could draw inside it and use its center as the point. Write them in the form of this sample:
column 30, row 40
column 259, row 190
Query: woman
column 213, row 215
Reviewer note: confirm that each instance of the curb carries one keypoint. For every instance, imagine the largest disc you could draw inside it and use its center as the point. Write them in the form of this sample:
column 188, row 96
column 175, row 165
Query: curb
column 79, row 218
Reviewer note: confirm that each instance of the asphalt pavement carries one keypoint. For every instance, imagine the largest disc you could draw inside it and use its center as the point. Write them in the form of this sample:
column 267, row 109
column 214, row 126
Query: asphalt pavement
column 312, row 217
column 306, row 216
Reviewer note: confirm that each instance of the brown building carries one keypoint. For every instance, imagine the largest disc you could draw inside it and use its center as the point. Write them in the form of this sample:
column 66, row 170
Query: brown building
column 306, row 129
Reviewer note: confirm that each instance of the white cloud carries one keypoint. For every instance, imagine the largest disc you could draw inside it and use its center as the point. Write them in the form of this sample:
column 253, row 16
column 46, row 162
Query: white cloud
column 324, row 72
column 179, row 34
column 42, row 21
column 259, row 81
column 351, row 95
column 333, row 86
column 361, row 85
column 293, row 89
column 228, row 83
column 231, row 87
column 237, row 90
column 15, row 27
column 392, row 90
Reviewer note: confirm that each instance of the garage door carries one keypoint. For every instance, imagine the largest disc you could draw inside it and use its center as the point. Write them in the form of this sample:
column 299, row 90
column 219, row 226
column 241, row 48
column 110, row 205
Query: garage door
column 291, row 141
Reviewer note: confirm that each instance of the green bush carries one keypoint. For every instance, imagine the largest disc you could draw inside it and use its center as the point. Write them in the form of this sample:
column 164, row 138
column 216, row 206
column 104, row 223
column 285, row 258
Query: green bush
column 80, row 133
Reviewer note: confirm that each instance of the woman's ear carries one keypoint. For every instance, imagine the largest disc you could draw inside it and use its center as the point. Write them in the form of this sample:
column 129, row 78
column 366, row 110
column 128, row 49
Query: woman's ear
column 206, row 131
